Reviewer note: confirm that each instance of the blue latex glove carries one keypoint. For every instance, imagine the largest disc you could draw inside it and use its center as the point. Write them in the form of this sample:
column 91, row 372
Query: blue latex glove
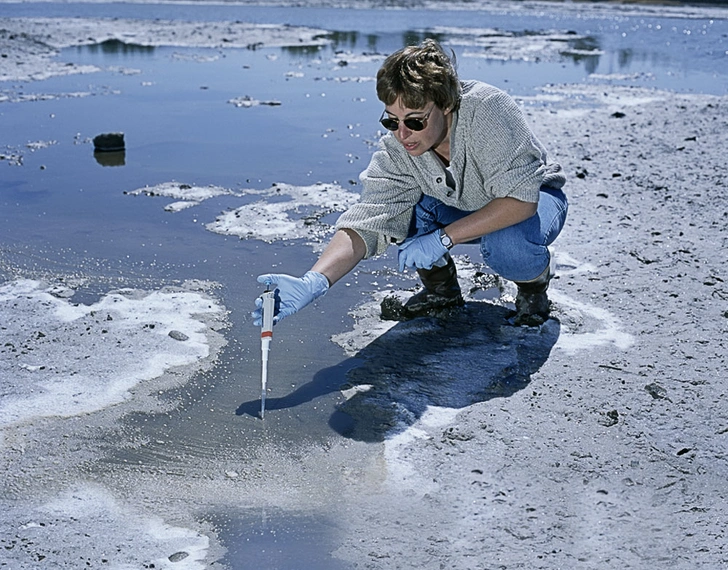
column 292, row 293
column 421, row 252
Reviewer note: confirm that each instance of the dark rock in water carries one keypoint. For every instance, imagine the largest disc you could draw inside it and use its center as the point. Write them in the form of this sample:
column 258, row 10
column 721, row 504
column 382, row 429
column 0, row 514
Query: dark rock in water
column 177, row 556
column 109, row 142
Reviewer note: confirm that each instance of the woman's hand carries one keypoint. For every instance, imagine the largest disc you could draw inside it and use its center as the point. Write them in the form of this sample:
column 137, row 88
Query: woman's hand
column 291, row 293
column 421, row 252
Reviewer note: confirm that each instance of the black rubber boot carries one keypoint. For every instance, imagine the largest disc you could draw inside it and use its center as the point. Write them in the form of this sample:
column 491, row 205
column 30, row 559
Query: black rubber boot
column 441, row 292
column 532, row 302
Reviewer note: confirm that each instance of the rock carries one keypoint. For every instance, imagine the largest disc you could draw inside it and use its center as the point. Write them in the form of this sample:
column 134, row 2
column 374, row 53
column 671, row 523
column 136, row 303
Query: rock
column 656, row 391
column 109, row 142
column 177, row 335
column 453, row 434
column 609, row 419
column 178, row 556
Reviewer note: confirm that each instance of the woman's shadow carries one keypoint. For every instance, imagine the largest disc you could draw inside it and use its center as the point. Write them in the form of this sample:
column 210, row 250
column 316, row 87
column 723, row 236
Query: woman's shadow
column 472, row 356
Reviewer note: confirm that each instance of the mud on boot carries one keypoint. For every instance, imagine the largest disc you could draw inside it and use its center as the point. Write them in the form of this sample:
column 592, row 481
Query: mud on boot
column 441, row 293
column 532, row 302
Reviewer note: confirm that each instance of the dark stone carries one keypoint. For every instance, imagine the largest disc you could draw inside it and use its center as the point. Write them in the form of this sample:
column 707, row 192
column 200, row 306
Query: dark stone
column 656, row 391
column 177, row 556
column 177, row 335
column 109, row 142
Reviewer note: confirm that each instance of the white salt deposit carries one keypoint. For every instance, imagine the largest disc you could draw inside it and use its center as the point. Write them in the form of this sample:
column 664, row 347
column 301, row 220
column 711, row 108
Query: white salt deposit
column 61, row 359
column 605, row 327
column 437, row 417
column 284, row 211
column 247, row 102
column 351, row 57
column 90, row 510
column 503, row 45
column 186, row 195
column 31, row 60
column 186, row 192
column 179, row 206
column 296, row 212
column 400, row 470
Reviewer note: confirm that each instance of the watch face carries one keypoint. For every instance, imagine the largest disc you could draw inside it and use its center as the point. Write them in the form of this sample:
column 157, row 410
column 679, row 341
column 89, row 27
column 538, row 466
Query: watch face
column 445, row 239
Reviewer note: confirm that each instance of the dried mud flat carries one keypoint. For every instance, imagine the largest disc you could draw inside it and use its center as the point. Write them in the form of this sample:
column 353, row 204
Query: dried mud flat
column 609, row 448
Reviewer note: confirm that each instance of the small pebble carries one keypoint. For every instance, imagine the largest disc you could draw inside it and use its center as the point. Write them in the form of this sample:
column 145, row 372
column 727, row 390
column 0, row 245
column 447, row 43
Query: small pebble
column 177, row 556
column 177, row 335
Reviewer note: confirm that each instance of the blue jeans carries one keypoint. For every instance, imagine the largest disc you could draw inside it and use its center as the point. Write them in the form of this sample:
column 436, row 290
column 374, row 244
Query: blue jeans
column 517, row 253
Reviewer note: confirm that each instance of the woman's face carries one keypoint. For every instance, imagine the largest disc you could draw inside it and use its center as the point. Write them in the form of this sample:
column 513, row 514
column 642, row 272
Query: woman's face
column 435, row 133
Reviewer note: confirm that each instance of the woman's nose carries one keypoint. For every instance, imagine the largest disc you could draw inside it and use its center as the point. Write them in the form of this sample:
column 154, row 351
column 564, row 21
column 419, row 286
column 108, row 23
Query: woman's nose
column 403, row 131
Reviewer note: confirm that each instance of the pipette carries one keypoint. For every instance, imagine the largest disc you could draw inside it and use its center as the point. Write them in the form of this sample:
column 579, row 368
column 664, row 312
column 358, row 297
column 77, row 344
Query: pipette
column 266, row 334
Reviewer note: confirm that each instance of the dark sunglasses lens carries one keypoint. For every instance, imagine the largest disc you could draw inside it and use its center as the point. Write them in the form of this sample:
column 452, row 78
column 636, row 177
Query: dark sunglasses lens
column 414, row 124
column 411, row 124
column 390, row 124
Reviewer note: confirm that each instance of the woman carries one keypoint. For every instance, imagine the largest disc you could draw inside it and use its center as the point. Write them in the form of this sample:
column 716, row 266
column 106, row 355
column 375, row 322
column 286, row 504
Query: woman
column 460, row 165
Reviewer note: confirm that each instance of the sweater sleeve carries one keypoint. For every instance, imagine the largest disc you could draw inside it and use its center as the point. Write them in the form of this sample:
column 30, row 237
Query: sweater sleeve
column 384, row 212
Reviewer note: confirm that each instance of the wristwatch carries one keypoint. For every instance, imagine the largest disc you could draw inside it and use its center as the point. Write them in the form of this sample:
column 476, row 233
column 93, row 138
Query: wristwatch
column 445, row 240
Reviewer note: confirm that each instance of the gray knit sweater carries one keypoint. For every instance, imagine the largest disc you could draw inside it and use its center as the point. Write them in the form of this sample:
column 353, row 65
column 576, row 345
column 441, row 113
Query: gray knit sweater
column 493, row 154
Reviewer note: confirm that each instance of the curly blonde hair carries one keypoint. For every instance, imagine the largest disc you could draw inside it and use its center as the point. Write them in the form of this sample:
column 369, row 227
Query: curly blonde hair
column 420, row 74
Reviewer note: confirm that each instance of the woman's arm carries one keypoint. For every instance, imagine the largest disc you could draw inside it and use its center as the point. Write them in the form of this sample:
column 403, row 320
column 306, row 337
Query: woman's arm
column 341, row 255
column 345, row 250
column 497, row 214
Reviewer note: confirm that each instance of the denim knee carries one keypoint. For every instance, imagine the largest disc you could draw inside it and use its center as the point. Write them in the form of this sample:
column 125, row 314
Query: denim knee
column 511, row 255
column 520, row 252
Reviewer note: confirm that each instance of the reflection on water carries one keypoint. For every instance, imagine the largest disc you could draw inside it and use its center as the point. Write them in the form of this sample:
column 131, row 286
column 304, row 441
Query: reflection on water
column 344, row 39
column 584, row 50
column 412, row 37
column 118, row 47
column 277, row 539
column 625, row 57
column 499, row 45
column 303, row 52
column 117, row 158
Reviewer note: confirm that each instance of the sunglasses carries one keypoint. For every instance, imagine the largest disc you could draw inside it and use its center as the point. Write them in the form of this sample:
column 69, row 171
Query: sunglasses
column 413, row 124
